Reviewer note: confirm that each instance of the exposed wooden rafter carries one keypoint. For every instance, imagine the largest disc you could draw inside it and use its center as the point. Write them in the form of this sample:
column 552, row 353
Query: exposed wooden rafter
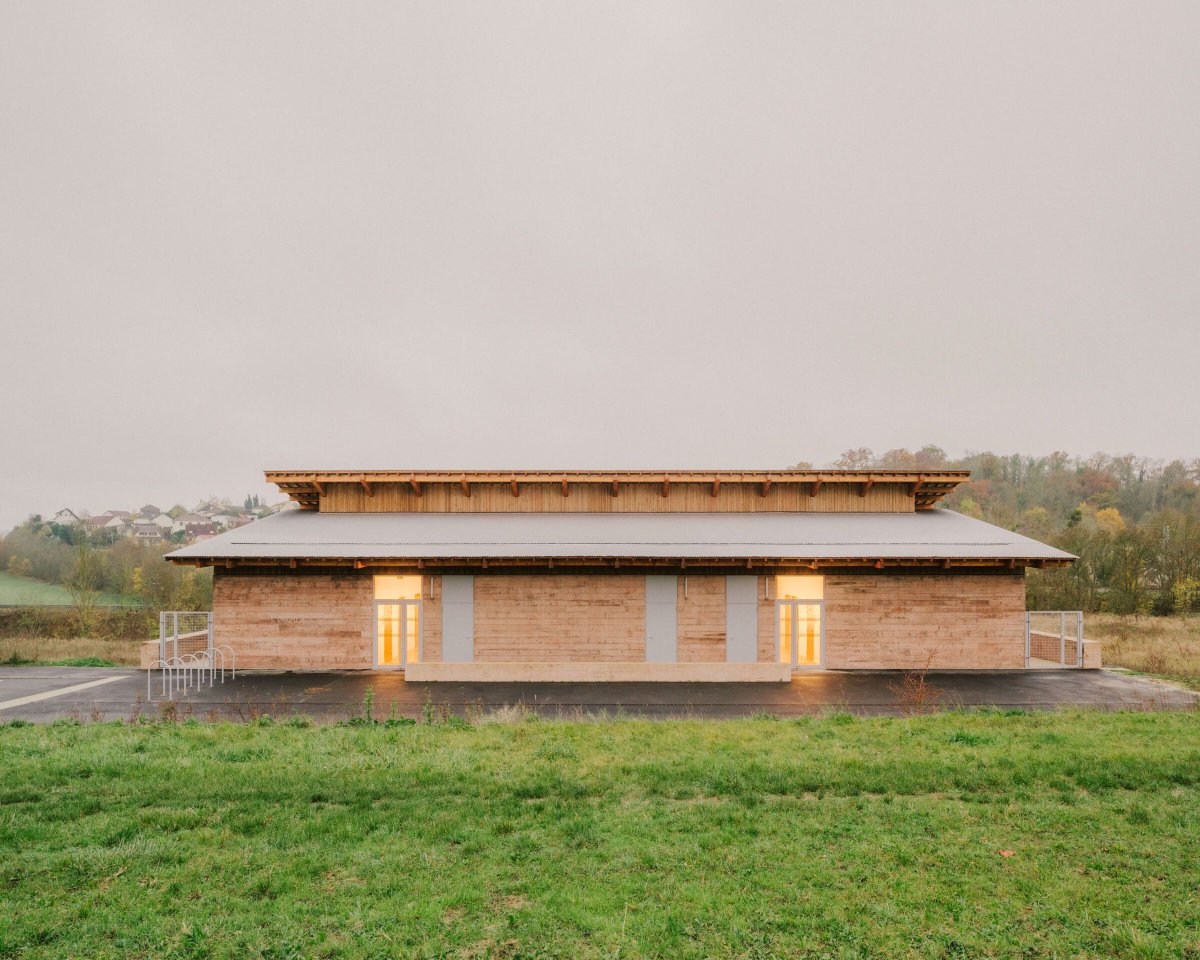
column 691, row 563
column 307, row 488
column 516, row 487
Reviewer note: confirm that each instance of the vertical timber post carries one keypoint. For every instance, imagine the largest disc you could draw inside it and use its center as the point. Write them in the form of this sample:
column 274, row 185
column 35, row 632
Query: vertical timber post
column 1027, row 641
column 1062, row 638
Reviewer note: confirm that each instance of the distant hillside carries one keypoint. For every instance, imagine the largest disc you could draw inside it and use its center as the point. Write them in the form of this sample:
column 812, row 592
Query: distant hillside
column 1134, row 522
column 25, row 592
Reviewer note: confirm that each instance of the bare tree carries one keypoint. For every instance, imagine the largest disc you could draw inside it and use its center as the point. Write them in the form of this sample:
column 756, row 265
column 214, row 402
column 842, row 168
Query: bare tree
column 84, row 586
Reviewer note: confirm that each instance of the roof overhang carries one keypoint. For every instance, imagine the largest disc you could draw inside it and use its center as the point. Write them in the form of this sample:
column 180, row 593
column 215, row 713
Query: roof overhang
column 305, row 487
column 435, row 540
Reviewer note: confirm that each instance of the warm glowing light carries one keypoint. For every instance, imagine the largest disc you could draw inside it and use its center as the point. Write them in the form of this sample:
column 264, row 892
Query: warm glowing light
column 799, row 623
column 800, row 588
column 398, row 625
column 397, row 588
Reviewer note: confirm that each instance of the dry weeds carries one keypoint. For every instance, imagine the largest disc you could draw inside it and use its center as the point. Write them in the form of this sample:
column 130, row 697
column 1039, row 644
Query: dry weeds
column 1163, row 646
column 123, row 652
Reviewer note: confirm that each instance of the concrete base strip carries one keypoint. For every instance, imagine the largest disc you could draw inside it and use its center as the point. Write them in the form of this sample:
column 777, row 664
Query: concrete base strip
column 50, row 694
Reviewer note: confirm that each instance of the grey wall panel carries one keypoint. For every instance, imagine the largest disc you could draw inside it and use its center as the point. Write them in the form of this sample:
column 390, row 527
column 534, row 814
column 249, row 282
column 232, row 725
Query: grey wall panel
column 458, row 589
column 741, row 619
column 458, row 619
column 662, row 623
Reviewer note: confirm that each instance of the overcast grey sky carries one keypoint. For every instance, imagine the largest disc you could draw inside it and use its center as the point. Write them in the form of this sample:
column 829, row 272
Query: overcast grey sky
column 495, row 234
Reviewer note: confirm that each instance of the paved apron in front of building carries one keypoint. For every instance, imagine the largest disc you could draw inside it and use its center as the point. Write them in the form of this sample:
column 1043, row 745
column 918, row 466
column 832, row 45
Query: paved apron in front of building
column 43, row 694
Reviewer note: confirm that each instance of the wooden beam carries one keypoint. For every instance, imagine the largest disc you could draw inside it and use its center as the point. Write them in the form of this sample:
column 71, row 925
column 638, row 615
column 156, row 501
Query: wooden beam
column 766, row 486
column 367, row 488
column 815, row 488
column 566, row 490
column 878, row 564
column 466, row 486
column 318, row 486
column 666, row 486
column 716, row 485
column 416, row 487
column 516, row 487
column 616, row 485
column 866, row 487
column 292, row 564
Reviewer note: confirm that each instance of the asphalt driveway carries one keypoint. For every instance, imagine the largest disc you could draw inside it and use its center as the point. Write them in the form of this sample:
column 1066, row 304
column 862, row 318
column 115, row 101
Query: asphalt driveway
column 48, row 693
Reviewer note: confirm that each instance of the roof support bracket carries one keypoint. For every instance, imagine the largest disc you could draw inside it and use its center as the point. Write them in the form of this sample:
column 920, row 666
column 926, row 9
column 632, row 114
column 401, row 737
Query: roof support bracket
column 466, row 486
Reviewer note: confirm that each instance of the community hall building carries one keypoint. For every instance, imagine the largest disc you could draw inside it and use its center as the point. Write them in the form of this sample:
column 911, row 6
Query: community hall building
column 689, row 575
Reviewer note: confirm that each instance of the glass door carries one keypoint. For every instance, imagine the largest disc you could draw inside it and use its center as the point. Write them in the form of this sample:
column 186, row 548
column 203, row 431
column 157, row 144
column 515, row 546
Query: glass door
column 397, row 633
column 801, row 632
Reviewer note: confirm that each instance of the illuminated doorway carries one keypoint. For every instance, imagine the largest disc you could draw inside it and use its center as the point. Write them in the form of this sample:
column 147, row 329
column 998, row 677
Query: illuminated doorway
column 800, row 621
column 397, row 622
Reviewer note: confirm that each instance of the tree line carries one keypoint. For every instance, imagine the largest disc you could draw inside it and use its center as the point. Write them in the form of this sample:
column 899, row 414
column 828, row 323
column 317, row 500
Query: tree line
column 58, row 554
column 1134, row 522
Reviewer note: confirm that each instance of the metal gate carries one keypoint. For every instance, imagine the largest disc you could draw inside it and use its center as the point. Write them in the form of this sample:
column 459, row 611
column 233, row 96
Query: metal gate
column 1054, row 638
column 182, row 632
column 187, row 655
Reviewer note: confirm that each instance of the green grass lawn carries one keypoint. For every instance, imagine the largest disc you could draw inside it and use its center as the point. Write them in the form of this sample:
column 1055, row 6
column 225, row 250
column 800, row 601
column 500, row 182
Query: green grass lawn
column 27, row 592
column 829, row 837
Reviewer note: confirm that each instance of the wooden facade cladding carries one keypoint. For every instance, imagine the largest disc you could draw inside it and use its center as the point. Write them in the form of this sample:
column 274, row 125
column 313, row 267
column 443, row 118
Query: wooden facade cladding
column 594, row 498
column 950, row 622
column 639, row 491
column 560, row 618
column 324, row 621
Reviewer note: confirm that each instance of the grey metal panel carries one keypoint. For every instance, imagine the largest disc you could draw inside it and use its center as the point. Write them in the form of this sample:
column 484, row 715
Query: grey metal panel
column 741, row 589
column 458, row 589
column 934, row 534
column 741, row 619
column 662, row 622
column 458, row 619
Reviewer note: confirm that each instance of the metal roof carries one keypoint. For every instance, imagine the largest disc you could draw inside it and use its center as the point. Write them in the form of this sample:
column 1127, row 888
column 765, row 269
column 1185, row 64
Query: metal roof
column 937, row 534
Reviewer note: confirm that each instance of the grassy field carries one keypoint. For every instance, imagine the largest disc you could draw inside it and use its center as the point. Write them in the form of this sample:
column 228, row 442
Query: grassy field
column 26, row 592
column 1163, row 646
column 985, row 835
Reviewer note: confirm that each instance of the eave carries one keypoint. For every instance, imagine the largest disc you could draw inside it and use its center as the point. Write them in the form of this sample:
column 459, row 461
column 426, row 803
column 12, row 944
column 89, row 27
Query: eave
column 306, row 487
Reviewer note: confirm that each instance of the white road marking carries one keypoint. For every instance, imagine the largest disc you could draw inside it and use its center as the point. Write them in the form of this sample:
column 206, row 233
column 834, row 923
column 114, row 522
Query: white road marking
column 47, row 695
